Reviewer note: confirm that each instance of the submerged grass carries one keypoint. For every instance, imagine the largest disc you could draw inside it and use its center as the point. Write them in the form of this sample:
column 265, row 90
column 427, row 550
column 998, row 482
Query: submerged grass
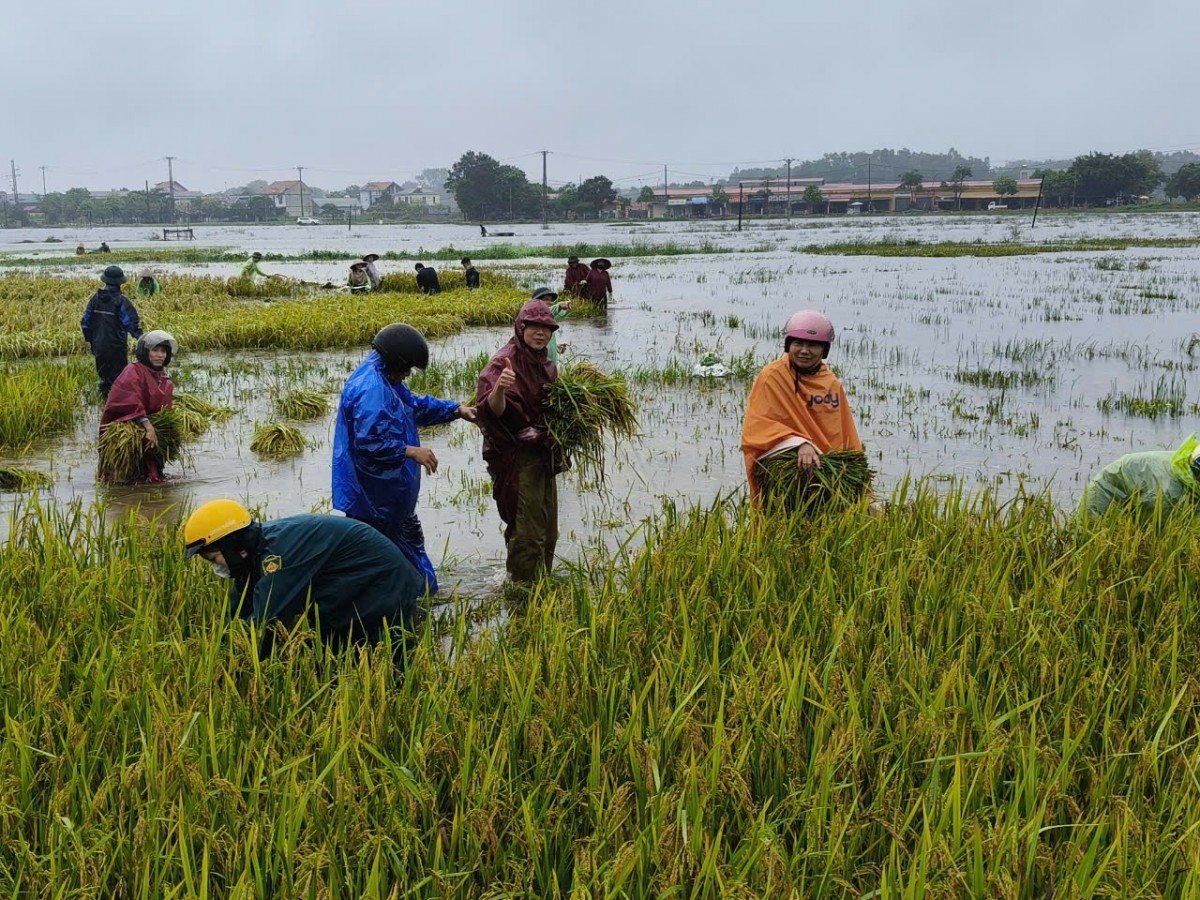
column 301, row 404
column 957, row 698
column 42, row 398
column 21, row 478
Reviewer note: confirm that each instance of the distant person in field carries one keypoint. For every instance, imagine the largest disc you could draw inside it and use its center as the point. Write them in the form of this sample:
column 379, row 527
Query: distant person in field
column 482, row 231
column 341, row 575
column 359, row 280
column 103, row 248
column 599, row 285
column 108, row 322
column 147, row 285
column 560, row 310
column 575, row 282
column 80, row 250
column 142, row 389
column 253, row 272
column 472, row 274
column 521, row 458
column 427, row 279
column 377, row 452
column 1141, row 483
column 797, row 402
column 372, row 271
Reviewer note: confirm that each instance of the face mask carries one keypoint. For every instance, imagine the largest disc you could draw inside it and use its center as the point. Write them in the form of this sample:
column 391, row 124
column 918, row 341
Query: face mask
column 221, row 570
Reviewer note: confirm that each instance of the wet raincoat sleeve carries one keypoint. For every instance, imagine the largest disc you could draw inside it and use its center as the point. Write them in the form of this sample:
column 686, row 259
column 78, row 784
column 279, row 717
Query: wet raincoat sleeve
column 85, row 324
column 136, row 395
column 429, row 410
column 130, row 320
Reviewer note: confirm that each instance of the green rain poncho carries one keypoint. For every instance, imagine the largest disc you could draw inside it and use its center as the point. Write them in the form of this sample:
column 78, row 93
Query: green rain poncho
column 1140, row 481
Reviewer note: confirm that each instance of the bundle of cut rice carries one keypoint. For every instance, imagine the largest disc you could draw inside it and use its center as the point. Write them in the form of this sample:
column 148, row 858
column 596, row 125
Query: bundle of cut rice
column 301, row 404
column 197, row 404
column 583, row 406
column 843, row 477
column 19, row 478
column 124, row 450
column 276, row 440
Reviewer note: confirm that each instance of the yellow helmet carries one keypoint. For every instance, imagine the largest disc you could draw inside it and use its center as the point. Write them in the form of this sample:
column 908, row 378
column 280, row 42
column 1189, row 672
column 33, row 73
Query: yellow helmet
column 211, row 522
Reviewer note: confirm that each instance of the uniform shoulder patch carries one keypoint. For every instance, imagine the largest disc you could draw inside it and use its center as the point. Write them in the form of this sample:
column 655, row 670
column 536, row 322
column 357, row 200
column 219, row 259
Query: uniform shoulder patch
column 272, row 564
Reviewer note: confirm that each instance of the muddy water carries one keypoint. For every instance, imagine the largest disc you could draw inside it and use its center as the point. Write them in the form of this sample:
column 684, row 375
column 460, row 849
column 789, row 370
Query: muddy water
column 1073, row 329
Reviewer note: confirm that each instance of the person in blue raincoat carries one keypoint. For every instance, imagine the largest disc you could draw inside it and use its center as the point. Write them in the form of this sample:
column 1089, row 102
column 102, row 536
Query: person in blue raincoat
column 377, row 453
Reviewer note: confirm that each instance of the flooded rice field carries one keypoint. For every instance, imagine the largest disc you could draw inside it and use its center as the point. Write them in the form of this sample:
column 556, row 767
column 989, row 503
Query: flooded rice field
column 1022, row 372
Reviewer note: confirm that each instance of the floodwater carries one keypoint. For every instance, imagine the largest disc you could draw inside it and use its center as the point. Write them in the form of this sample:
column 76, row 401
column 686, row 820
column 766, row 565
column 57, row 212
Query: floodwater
column 1076, row 336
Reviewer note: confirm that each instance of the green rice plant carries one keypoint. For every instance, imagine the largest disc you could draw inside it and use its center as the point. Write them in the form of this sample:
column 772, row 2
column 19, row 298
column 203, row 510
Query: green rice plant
column 583, row 406
column 1167, row 397
column 205, row 408
column 278, row 440
column 42, row 398
column 843, row 476
column 123, row 448
column 21, row 478
column 300, row 404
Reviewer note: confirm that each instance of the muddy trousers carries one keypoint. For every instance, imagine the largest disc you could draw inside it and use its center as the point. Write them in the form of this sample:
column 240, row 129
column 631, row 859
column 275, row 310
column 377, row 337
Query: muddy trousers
column 108, row 366
column 527, row 498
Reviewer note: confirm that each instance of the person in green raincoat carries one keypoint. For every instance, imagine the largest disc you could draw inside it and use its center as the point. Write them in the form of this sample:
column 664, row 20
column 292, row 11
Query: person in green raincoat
column 147, row 285
column 558, row 310
column 1142, row 482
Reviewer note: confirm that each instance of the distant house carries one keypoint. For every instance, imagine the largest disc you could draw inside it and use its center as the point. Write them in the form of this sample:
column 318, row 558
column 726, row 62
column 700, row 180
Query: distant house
column 378, row 191
column 295, row 197
column 341, row 204
column 181, row 193
column 419, row 196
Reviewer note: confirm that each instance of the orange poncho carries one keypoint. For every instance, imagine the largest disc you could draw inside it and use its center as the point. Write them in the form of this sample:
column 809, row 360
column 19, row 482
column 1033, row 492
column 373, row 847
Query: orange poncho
column 776, row 412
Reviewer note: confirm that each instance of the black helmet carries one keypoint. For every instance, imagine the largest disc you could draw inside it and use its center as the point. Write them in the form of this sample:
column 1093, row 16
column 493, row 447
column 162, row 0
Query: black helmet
column 114, row 276
column 401, row 347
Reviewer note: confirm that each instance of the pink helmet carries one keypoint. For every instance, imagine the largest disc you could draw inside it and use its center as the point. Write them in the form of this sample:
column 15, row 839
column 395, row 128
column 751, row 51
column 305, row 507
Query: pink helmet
column 809, row 325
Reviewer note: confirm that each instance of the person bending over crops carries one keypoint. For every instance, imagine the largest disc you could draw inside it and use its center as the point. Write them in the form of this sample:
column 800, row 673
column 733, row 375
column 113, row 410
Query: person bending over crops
column 427, row 279
column 147, row 285
column 377, row 452
column 359, row 281
column 342, row 575
column 521, row 458
column 253, row 272
column 797, row 402
column 108, row 321
column 1141, row 483
column 141, row 390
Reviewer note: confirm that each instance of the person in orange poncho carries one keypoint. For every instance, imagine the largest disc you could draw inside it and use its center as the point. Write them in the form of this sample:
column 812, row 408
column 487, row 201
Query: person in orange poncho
column 797, row 401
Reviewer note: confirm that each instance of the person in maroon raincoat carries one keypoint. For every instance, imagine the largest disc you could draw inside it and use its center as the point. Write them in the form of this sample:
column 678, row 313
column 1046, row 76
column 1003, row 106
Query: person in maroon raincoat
column 520, row 455
column 142, row 389
column 575, row 280
column 599, row 285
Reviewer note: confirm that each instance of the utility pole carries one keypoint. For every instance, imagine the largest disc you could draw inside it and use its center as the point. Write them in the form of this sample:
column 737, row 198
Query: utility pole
column 666, row 193
column 300, row 170
column 13, row 166
column 543, row 152
column 789, row 188
column 171, row 185
column 43, row 168
column 741, row 203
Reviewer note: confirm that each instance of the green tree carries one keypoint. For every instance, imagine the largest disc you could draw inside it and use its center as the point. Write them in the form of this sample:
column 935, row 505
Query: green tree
column 593, row 194
column 912, row 179
column 961, row 174
column 1102, row 178
column 1058, row 186
column 1005, row 186
column 484, row 188
column 646, row 195
column 813, row 197
column 720, row 199
column 1185, row 182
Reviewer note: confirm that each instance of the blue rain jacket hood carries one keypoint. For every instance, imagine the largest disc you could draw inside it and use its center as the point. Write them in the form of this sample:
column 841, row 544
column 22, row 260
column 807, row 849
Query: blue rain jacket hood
column 373, row 480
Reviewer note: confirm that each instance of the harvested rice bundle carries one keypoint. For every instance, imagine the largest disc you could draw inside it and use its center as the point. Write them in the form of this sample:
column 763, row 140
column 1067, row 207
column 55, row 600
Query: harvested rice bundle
column 301, row 405
column 843, row 476
column 583, row 406
column 275, row 440
column 19, row 478
column 207, row 409
column 124, row 451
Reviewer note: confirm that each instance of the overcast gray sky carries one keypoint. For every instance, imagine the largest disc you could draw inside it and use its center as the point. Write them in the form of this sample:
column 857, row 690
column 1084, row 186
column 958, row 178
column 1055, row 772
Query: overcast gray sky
column 358, row 90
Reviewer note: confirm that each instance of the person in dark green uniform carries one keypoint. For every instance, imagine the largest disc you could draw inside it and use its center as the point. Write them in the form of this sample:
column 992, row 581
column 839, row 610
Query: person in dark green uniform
column 345, row 576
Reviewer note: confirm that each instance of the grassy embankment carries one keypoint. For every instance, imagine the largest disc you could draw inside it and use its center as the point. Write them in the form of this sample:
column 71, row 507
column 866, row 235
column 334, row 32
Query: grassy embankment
column 897, row 247
column 39, row 317
column 492, row 251
column 954, row 699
